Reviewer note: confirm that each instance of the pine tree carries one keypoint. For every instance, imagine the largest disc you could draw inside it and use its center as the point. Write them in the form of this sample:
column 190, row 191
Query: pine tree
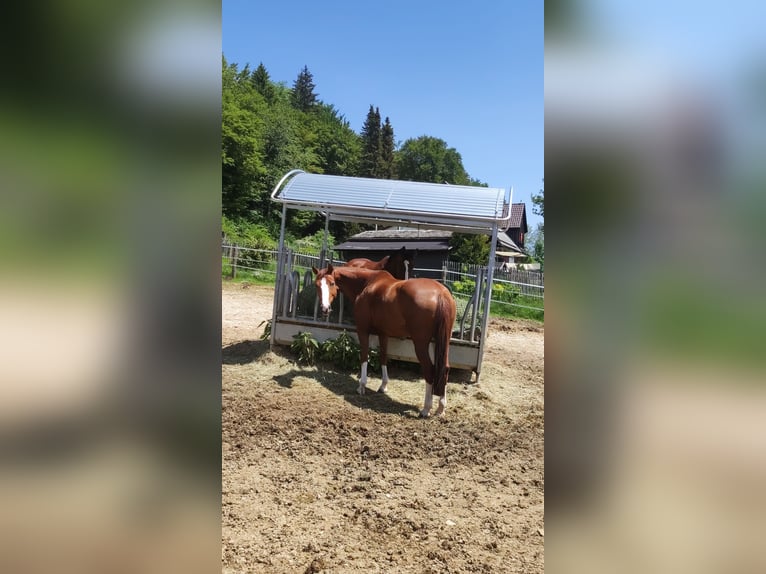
column 262, row 83
column 303, row 97
column 371, row 142
column 386, row 159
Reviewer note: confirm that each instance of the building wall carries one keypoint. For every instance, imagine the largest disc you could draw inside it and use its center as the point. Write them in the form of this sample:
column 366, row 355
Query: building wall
column 517, row 236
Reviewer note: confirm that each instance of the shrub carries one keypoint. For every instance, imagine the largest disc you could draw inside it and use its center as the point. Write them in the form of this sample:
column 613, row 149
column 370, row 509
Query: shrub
column 305, row 347
column 266, row 330
column 342, row 352
column 466, row 286
column 505, row 293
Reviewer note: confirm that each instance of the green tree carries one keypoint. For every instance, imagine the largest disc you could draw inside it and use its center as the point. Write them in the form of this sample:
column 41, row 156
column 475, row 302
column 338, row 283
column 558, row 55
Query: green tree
column 241, row 151
column 262, row 83
column 303, row 97
column 288, row 143
column 369, row 164
column 337, row 146
column 538, row 236
column 536, row 239
column 469, row 248
column 538, row 201
column 429, row 159
column 386, row 166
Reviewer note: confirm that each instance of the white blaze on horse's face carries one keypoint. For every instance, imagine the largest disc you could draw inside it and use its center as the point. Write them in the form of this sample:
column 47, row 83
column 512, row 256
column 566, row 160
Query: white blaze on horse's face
column 324, row 289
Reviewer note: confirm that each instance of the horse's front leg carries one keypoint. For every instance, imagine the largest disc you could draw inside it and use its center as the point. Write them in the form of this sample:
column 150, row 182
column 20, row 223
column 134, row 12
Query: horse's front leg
column 428, row 402
column 364, row 351
column 383, row 349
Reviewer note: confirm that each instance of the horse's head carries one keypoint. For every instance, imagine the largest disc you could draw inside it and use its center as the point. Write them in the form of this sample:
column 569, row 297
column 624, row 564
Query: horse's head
column 401, row 263
column 327, row 289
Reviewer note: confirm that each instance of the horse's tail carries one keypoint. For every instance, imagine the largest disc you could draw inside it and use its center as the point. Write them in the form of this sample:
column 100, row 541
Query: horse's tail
column 445, row 317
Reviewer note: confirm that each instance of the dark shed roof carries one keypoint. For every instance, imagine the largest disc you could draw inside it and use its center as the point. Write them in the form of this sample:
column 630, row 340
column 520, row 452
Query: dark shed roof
column 392, row 239
column 392, row 245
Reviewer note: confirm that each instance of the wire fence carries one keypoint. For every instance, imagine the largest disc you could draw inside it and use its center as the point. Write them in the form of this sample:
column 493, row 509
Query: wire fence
column 514, row 291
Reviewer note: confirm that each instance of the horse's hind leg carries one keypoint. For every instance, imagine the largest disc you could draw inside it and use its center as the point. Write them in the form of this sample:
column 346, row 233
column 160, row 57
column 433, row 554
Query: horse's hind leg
column 383, row 349
column 442, row 404
column 427, row 369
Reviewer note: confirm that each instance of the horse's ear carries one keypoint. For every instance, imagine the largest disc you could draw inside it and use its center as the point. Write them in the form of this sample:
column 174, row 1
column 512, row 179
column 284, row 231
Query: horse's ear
column 403, row 250
column 330, row 268
column 385, row 259
column 315, row 270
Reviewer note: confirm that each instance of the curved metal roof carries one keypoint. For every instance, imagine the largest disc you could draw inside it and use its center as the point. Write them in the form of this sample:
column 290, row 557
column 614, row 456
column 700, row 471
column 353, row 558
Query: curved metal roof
column 474, row 209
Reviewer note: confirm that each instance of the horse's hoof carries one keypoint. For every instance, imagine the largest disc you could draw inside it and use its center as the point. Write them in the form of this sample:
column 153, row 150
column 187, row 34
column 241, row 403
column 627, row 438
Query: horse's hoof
column 360, row 390
column 423, row 415
column 382, row 390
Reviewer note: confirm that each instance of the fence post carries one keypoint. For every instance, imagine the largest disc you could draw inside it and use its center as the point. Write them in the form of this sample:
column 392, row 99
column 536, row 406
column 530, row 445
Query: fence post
column 444, row 273
column 234, row 262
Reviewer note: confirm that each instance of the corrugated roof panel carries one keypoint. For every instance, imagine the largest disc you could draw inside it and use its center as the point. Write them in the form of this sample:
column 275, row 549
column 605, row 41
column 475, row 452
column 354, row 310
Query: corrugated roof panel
column 386, row 196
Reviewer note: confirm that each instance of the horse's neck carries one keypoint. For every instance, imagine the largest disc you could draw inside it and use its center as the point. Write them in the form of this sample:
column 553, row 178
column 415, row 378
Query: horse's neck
column 351, row 285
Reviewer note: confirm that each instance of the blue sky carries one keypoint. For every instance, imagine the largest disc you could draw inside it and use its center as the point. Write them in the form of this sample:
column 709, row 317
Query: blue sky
column 469, row 73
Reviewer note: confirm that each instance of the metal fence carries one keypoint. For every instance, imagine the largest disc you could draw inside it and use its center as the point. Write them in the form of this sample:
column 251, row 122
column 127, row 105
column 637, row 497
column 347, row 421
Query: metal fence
column 518, row 288
column 513, row 287
column 259, row 263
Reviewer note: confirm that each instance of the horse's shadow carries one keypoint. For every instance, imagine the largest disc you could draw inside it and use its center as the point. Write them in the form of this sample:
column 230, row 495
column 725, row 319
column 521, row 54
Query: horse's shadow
column 410, row 372
column 342, row 384
column 244, row 352
column 345, row 385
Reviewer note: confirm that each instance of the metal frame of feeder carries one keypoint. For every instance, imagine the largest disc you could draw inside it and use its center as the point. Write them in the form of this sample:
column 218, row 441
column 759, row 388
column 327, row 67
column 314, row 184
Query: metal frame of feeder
column 458, row 208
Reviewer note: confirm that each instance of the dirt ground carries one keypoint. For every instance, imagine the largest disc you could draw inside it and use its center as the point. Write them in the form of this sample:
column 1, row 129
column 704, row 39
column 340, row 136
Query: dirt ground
column 319, row 479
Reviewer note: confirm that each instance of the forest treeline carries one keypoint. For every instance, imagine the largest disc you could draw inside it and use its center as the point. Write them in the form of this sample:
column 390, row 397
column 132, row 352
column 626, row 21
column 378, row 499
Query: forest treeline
column 269, row 128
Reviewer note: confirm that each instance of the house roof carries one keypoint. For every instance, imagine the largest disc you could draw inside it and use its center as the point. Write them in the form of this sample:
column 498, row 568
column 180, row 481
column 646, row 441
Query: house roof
column 507, row 244
column 465, row 208
column 518, row 217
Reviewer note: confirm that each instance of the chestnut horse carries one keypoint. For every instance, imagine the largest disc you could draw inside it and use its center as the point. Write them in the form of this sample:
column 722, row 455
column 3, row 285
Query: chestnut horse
column 397, row 264
column 419, row 309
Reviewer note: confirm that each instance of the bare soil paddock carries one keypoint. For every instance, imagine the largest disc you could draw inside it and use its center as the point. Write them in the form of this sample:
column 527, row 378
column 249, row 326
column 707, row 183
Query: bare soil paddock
column 319, row 479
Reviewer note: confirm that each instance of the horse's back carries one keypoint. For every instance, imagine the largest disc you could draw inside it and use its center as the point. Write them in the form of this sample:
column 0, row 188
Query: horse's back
column 424, row 291
column 404, row 308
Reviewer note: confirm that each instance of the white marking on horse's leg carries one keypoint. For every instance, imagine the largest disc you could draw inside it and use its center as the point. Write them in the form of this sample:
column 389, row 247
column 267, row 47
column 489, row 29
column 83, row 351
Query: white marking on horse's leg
column 363, row 379
column 406, row 269
column 384, row 382
column 429, row 401
column 442, row 404
column 325, row 290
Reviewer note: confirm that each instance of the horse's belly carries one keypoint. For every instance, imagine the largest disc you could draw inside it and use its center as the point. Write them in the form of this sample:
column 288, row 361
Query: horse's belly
column 390, row 324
